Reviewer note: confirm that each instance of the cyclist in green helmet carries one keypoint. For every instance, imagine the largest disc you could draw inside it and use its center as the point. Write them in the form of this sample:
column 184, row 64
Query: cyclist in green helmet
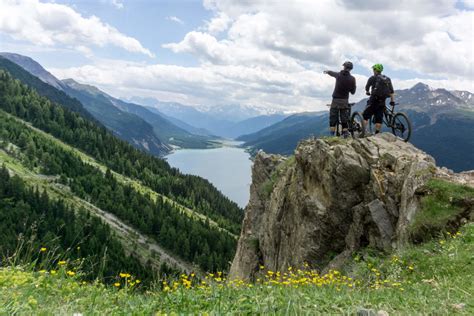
column 379, row 88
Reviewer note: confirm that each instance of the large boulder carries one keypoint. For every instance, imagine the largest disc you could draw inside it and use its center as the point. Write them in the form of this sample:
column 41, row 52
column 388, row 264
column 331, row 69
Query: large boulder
column 333, row 197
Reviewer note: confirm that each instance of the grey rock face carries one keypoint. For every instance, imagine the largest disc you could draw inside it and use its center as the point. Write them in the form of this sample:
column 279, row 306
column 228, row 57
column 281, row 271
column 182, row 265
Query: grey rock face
column 329, row 200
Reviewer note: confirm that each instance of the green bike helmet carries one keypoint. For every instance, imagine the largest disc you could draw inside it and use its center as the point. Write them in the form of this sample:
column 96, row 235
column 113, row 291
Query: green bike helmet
column 378, row 67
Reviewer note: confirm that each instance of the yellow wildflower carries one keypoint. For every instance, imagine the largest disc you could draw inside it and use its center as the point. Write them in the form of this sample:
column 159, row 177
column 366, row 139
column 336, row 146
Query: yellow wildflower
column 62, row 262
column 71, row 273
column 43, row 249
column 116, row 284
column 53, row 272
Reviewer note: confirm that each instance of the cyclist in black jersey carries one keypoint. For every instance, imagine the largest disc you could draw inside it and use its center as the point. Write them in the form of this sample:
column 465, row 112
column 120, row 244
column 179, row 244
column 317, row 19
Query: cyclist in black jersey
column 345, row 84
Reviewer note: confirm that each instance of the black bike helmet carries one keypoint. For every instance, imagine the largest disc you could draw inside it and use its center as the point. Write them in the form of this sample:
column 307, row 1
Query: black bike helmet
column 348, row 65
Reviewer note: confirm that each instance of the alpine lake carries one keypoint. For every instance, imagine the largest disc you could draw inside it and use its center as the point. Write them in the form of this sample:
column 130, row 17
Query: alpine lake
column 228, row 168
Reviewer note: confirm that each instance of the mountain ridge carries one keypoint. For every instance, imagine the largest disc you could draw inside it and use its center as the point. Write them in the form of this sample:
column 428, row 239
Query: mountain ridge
column 34, row 68
column 165, row 130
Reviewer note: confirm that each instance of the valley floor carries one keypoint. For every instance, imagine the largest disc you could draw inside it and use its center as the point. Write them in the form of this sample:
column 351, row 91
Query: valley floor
column 432, row 278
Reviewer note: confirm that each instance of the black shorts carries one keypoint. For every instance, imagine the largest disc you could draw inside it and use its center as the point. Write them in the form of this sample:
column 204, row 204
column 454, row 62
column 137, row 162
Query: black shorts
column 339, row 109
column 376, row 109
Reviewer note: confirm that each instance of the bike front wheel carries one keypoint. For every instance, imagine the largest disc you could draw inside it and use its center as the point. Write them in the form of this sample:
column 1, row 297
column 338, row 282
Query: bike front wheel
column 357, row 127
column 401, row 126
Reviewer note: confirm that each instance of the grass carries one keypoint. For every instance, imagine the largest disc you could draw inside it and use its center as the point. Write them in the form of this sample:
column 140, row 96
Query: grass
column 432, row 278
column 442, row 208
column 334, row 140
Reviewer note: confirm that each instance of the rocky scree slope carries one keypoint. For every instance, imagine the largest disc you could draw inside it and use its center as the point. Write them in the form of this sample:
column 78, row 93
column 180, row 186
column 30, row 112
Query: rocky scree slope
column 329, row 200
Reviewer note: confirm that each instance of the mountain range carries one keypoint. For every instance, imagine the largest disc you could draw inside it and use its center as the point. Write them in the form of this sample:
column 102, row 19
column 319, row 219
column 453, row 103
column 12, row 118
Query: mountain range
column 228, row 122
column 146, row 123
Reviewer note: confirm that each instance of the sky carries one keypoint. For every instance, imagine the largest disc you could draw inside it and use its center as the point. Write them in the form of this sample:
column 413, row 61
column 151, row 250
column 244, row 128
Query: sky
column 266, row 54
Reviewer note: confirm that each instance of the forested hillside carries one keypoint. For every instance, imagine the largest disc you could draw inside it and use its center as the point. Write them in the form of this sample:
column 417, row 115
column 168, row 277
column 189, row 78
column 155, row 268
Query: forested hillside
column 162, row 218
column 126, row 126
column 36, row 228
column 43, row 88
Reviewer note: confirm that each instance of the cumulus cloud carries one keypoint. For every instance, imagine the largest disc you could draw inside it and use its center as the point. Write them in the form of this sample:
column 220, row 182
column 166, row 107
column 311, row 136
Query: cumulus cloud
column 218, row 24
column 430, row 37
column 51, row 24
column 272, row 53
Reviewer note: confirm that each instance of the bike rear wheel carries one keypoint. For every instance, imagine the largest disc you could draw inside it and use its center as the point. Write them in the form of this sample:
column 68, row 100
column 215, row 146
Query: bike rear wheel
column 357, row 127
column 401, row 126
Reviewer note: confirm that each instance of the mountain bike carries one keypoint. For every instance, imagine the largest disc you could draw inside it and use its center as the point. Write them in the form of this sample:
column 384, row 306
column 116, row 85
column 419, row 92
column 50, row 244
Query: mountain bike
column 398, row 122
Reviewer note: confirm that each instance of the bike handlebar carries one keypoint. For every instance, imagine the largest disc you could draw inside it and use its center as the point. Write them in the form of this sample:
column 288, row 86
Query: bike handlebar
column 350, row 104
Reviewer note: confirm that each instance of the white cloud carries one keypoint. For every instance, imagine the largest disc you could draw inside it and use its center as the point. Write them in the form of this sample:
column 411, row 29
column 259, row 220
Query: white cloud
column 430, row 37
column 175, row 19
column 218, row 24
column 271, row 54
column 51, row 24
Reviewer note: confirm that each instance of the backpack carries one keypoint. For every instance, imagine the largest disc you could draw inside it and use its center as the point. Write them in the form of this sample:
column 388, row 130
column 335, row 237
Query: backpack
column 381, row 87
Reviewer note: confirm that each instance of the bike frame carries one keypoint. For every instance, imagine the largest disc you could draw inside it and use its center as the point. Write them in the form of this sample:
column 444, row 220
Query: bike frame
column 388, row 115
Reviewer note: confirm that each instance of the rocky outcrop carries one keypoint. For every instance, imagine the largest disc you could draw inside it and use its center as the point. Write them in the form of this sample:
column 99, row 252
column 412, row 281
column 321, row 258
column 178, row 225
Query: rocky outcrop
column 332, row 198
